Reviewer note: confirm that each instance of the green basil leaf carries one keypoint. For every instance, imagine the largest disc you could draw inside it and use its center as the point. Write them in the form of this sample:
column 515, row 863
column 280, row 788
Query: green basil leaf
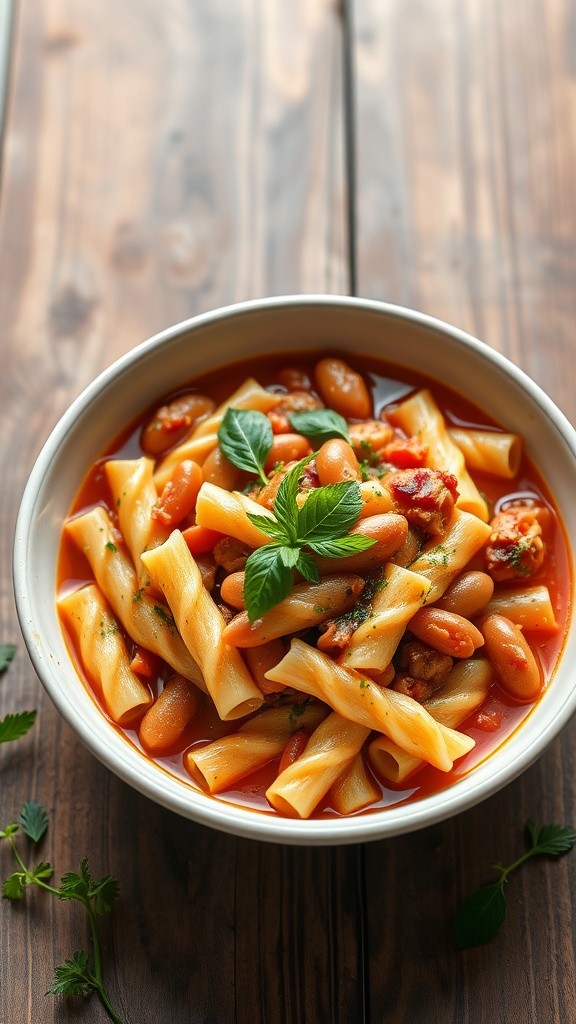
column 329, row 512
column 480, row 916
column 340, row 547
column 12, row 727
column 269, row 526
column 285, row 506
column 307, row 567
column 319, row 425
column 245, row 437
column 267, row 580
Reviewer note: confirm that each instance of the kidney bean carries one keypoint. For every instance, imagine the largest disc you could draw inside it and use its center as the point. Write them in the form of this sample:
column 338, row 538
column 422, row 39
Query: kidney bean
column 287, row 448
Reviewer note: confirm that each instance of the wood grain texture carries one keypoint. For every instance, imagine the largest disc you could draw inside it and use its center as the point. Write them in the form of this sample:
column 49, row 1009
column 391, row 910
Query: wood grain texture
column 160, row 160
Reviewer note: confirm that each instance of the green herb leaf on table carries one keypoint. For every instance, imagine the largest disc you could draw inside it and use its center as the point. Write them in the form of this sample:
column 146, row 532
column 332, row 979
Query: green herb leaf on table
column 74, row 977
column 12, row 727
column 33, row 820
column 7, row 652
column 319, row 425
column 481, row 915
column 245, row 438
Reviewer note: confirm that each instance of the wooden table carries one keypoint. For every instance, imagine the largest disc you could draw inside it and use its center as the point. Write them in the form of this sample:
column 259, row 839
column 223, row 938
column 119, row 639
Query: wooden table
column 161, row 159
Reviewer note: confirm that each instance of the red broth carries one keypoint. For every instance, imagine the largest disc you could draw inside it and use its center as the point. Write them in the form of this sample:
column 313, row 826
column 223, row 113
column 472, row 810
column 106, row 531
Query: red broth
column 490, row 725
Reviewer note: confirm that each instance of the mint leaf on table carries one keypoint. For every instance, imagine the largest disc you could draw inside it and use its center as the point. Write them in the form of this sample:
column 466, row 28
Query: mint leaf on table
column 481, row 915
column 33, row 820
column 245, row 438
column 12, row 727
column 319, row 425
column 7, row 652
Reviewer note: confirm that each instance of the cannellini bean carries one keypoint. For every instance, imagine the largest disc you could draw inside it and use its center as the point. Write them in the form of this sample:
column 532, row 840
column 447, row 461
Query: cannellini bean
column 513, row 660
column 232, row 590
column 261, row 659
column 173, row 710
column 287, row 448
column 343, row 389
column 468, row 594
column 446, row 632
column 172, row 422
column 337, row 462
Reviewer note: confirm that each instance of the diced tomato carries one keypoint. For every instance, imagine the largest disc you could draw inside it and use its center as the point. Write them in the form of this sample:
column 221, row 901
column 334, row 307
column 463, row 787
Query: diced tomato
column 201, row 540
column 405, row 452
column 145, row 663
column 487, row 721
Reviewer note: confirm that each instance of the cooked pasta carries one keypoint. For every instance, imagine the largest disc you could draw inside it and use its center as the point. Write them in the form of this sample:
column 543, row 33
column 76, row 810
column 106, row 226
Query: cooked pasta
column 346, row 577
column 419, row 415
column 88, row 617
column 201, row 626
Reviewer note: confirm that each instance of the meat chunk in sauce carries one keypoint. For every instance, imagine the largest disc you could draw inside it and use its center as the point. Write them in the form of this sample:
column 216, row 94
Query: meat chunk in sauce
column 421, row 670
column 295, row 401
column 231, row 554
column 425, row 496
column 515, row 547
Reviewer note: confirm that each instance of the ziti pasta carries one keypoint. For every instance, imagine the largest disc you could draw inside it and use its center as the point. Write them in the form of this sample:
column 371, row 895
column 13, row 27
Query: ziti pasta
column 317, row 585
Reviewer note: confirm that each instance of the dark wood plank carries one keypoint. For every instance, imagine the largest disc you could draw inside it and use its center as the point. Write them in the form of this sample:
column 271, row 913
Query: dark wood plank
column 159, row 161
column 465, row 208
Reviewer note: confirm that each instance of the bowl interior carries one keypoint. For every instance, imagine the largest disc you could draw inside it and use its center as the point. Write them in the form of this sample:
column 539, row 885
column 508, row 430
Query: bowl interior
column 175, row 356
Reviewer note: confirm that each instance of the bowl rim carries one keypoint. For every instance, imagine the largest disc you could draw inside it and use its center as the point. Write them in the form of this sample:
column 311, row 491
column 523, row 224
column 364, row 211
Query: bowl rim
column 173, row 793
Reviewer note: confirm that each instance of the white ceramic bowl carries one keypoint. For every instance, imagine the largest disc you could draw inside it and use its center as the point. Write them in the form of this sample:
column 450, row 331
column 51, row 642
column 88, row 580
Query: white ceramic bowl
column 174, row 356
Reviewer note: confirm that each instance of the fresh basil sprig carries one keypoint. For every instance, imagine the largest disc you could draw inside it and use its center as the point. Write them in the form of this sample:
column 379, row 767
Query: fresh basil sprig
column 321, row 525
column 319, row 425
column 245, row 438
column 481, row 915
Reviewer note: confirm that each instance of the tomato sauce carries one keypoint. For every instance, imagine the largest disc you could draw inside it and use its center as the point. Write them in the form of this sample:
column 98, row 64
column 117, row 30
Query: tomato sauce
column 494, row 721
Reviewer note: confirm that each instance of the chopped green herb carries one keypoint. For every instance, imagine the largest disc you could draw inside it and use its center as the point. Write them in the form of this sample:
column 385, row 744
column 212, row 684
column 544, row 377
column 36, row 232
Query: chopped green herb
column 111, row 547
column 164, row 617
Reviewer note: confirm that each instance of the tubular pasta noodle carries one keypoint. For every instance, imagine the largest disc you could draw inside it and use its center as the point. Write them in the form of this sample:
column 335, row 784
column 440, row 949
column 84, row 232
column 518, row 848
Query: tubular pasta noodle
column 201, row 625
column 134, row 495
column 363, row 701
column 375, row 641
column 225, row 512
column 148, row 623
column 329, row 752
column 528, row 607
column 466, row 687
column 218, row 765
column 307, row 604
column 354, row 789
column 440, row 561
column 419, row 415
column 91, row 623
column 250, row 395
column 489, row 451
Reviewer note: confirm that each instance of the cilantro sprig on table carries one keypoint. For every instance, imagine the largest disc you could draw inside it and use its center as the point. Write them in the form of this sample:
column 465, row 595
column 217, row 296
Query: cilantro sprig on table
column 319, row 527
column 76, row 976
column 481, row 915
